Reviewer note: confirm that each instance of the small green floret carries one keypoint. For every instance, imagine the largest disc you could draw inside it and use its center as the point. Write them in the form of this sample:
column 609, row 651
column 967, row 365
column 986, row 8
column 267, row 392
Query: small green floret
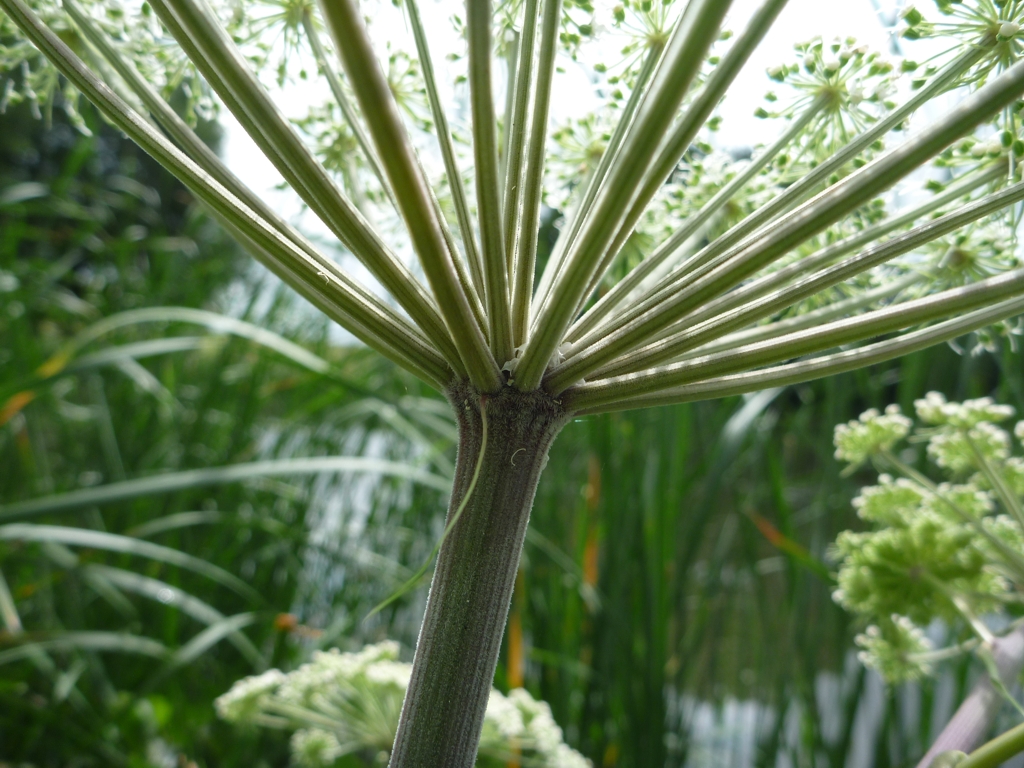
column 934, row 409
column 869, row 435
column 958, row 450
column 895, row 649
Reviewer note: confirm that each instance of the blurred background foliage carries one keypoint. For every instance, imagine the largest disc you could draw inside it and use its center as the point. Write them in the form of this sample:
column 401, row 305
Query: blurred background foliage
column 674, row 605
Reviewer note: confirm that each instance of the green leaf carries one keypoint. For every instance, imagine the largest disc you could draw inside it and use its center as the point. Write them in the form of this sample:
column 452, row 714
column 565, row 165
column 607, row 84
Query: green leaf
column 171, row 596
column 112, row 542
column 202, row 642
column 171, row 482
column 118, row 642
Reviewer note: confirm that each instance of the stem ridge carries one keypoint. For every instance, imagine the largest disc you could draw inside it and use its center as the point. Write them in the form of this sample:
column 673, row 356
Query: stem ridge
column 469, row 599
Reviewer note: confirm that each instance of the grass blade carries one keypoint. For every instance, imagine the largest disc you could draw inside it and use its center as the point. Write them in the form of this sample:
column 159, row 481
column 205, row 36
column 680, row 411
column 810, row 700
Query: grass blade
column 113, row 542
column 119, row 642
column 223, row 628
column 172, row 596
column 188, row 479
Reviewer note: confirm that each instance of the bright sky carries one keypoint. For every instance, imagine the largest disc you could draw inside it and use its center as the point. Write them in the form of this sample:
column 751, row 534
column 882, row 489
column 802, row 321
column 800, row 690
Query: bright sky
column 573, row 91
column 799, row 21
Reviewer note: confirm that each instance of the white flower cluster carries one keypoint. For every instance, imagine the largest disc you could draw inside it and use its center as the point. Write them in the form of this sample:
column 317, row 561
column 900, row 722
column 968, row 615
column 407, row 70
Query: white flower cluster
column 965, row 431
column 891, row 502
column 958, row 450
column 519, row 719
column 361, row 695
column 947, row 549
column 933, row 408
column 246, row 698
column 312, row 747
column 896, row 649
column 859, row 440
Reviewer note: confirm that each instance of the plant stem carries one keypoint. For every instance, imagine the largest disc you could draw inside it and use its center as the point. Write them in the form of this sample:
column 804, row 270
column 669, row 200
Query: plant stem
column 684, row 53
column 815, row 317
column 753, row 225
column 995, row 752
column 411, row 189
column 677, row 143
column 974, row 717
column 192, row 24
column 996, row 480
column 672, row 246
column 460, row 638
column 593, row 182
column 589, row 398
column 333, row 293
column 889, row 320
column 347, row 111
column 488, row 184
column 641, row 324
column 444, row 140
column 522, row 288
column 515, row 129
column 729, row 313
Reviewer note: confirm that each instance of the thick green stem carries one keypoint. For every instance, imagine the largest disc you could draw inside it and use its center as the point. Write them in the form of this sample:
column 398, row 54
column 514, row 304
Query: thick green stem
column 533, row 174
column 444, row 140
column 593, row 183
column 997, row 751
column 460, row 638
column 488, row 186
column 696, row 30
column 672, row 247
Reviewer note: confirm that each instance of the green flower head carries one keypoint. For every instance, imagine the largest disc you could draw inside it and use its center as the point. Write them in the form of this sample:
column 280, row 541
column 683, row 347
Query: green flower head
column 315, row 748
column 905, row 570
column 958, row 450
column 933, row 408
column 247, row 696
column 895, row 648
column 891, row 502
column 872, row 433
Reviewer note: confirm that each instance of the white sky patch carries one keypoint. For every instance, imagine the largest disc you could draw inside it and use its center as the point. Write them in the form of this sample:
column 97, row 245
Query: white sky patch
column 573, row 91
column 573, row 94
column 800, row 20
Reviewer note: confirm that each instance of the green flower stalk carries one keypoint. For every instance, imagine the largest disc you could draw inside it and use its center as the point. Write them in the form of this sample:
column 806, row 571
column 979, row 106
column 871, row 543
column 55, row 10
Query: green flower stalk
column 989, row 23
column 856, row 86
column 680, row 274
